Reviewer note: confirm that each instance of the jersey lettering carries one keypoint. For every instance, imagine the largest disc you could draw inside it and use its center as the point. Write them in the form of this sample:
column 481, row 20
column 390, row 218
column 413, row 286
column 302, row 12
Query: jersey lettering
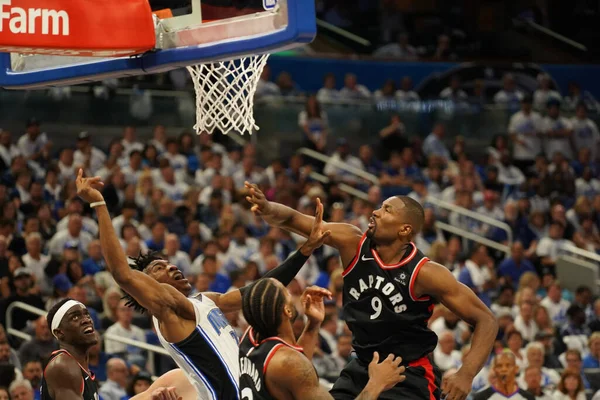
column 247, row 367
column 217, row 320
column 388, row 289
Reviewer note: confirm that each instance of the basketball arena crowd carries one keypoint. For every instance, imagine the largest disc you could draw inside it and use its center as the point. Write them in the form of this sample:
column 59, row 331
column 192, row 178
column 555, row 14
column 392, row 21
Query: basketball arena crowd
column 183, row 195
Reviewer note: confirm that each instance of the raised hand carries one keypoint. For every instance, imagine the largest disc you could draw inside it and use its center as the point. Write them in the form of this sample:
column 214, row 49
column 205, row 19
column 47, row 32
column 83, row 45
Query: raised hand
column 89, row 188
column 313, row 303
column 457, row 386
column 260, row 204
column 317, row 235
column 388, row 373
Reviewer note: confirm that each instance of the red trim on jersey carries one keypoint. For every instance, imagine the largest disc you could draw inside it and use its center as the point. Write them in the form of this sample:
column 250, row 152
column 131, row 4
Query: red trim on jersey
column 413, row 278
column 251, row 336
column 270, row 355
column 356, row 256
column 244, row 335
column 429, row 375
column 408, row 259
column 250, row 332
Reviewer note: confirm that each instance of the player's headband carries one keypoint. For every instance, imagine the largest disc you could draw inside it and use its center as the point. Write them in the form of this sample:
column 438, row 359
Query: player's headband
column 60, row 314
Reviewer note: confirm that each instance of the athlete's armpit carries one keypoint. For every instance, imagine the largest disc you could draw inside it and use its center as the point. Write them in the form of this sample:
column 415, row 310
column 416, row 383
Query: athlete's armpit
column 291, row 374
column 63, row 378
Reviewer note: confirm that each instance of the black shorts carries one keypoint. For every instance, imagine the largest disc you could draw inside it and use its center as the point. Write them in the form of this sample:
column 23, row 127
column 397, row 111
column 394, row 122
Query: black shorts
column 422, row 382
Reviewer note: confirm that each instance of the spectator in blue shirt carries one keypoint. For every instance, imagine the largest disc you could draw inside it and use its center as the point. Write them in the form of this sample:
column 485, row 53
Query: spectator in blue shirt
column 434, row 145
column 157, row 241
column 219, row 283
column 592, row 360
column 516, row 265
column 95, row 262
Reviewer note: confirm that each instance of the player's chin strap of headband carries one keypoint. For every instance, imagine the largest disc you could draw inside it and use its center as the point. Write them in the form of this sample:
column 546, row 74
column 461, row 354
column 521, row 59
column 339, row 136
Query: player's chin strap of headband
column 60, row 314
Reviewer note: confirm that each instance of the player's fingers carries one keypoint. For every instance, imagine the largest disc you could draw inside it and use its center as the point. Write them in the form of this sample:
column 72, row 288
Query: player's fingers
column 397, row 361
column 319, row 213
column 325, row 235
column 376, row 357
column 390, row 358
column 401, row 378
column 401, row 369
column 80, row 174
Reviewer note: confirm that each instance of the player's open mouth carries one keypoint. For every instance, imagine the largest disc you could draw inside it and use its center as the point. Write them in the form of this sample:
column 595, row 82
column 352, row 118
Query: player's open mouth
column 371, row 222
column 89, row 330
column 178, row 276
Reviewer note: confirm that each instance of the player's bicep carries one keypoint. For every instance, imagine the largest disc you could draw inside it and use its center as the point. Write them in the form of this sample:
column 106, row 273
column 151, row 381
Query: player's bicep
column 292, row 373
column 437, row 281
column 227, row 302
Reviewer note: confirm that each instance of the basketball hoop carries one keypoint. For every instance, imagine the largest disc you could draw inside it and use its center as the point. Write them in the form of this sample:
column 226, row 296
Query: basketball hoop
column 225, row 94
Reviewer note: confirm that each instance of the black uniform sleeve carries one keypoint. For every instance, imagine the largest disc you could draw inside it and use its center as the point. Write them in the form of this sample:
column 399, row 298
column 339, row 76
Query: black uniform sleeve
column 287, row 271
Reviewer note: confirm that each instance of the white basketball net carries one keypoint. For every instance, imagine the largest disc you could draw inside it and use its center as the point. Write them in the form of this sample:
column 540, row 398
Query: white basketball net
column 225, row 94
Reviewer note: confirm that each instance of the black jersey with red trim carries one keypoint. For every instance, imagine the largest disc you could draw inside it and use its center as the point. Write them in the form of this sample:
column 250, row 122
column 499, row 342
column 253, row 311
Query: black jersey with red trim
column 89, row 388
column 381, row 309
column 254, row 360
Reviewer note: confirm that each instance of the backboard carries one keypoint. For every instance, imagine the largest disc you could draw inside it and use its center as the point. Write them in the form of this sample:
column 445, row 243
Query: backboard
column 188, row 32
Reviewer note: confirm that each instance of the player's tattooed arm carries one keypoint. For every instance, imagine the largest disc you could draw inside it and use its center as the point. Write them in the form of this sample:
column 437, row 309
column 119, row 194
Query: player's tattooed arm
column 344, row 237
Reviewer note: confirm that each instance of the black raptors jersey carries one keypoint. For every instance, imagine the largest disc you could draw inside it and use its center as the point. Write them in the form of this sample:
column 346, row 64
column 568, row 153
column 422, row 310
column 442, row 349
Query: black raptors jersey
column 89, row 389
column 254, row 359
column 381, row 309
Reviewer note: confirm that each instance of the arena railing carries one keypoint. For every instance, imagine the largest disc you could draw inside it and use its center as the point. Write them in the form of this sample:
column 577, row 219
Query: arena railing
column 339, row 164
column 473, row 237
column 151, row 349
column 473, row 215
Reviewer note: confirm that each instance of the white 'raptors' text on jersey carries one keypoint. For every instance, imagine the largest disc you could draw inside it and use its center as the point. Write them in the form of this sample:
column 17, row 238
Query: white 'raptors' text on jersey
column 209, row 355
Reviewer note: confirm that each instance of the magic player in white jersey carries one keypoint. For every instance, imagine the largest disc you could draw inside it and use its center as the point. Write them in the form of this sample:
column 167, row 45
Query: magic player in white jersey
column 192, row 329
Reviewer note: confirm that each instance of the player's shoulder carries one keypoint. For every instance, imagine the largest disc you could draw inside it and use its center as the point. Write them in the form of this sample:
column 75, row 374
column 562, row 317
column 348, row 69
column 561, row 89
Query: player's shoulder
column 62, row 368
column 289, row 367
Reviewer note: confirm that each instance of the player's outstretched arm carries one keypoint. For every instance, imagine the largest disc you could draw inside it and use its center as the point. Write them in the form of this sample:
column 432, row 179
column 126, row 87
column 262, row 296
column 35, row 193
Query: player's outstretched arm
column 284, row 273
column 314, row 309
column 292, row 374
column 157, row 298
column 63, row 377
column 344, row 237
column 435, row 280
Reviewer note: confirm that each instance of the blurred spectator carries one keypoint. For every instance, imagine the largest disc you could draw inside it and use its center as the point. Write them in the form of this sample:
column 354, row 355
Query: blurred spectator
column 73, row 236
column 134, row 168
column 524, row 129
column 175, row 256
column 505, row 386
column 265, row 87
column 454, row 92
column 391, row 138
column 574, row 95
column 387, row 91
column 32, row 371
column 592, row 360
column 509, row 95
column 570, row 386
column 287, row 86
column 587, row 185
column 328, row 93
column 129, row 141
column 217, row 282
column 33, row 143
column 352, row 90
column 139, row 383
column 443, row 50
column 313, row 122
column 535, row 358
column 516, row 265
column 508, row 173
column 525, row 323
column 549, row 247
column 406, row 92
column 117, row 374
column 433, row 144
column 22, row 282
column 35, row 261
column 159, row 136
column 445, row 354
column 585, row 132
column 544, row 92
column 169, row 185
column 533, row 379
column 21, row 390
column 574, row 362
column 555, row 304
column 342, row 156
column 8, row 149
column 557, row 132
column 449, row 322
column 400, row 50
column 110, row 303
column 42, row 344
column 124, row 328
column 575, row 327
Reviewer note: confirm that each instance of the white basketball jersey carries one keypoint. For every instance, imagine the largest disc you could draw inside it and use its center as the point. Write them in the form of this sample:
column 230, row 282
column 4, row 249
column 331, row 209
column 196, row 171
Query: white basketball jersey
column 209, row 356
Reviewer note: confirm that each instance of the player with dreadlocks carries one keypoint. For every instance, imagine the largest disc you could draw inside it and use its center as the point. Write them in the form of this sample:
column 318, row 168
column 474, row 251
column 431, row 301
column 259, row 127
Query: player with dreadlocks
column 274, row 366
column 192, row 329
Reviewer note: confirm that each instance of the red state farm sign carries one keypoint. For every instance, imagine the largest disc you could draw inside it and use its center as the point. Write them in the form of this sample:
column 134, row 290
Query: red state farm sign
column 100, row 28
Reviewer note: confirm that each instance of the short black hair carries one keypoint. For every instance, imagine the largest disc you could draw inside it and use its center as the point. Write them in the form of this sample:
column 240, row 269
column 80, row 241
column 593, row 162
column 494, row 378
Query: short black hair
column 52, row 312
column 415, row 212
column 140, row 263
column 582, row 289
column 262, row 305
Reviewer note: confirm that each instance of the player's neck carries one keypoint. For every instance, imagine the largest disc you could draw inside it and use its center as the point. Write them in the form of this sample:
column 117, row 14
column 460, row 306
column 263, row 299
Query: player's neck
column 80, row 354
column 392, row 253
column 286, row 332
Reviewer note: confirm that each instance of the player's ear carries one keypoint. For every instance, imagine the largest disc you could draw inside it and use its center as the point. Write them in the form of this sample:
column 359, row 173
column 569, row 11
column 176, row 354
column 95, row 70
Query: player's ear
column 405, row 230
column 58, row 334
